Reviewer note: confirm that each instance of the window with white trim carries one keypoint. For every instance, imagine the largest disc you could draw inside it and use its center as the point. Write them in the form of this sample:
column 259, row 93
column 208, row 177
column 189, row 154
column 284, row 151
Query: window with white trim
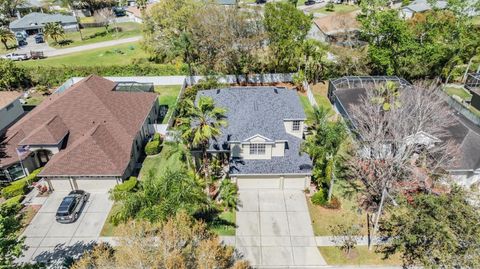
column 296, row 125
column 257, row 149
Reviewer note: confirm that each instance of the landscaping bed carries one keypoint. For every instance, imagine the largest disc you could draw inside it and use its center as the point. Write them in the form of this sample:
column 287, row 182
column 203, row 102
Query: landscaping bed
column 349, row 212
column 360, row 255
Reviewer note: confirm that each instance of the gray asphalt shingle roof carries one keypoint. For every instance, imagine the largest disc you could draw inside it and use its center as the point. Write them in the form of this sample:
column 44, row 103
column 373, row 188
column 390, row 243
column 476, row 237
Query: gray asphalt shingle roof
column 35, row 19
column 256, row 110
column 463, row 133
column 262, row 111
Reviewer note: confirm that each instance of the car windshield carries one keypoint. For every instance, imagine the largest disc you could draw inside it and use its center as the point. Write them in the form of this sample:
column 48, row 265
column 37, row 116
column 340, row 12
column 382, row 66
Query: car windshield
column 63, row 209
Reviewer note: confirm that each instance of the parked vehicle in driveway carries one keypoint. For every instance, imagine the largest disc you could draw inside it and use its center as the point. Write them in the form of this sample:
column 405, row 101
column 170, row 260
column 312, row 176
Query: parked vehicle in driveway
column 16, row 56
column 71, row 206
column 39, row 38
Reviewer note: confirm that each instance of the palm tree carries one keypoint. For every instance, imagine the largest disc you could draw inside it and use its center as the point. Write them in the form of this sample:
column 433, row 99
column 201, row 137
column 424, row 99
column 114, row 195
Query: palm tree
column 228, row 194
column 202, row 124
column 323, row 145
column 53, row 30
column 5, row 36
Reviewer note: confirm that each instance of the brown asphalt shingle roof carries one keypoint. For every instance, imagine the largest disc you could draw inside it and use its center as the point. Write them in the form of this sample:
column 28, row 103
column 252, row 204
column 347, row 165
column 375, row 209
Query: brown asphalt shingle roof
column 7, row 98
column 101, row 123
column 338, row 23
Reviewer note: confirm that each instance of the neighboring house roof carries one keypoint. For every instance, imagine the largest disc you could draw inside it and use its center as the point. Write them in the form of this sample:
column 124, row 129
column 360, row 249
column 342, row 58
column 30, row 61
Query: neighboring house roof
column 7, row 98
column 135, row 11
column 423, row 5
column 338, row 23
column 260, row 111
column 101, row 123
column 463, row 133
column 32, row 3
column 227, row 2
column 36, row 19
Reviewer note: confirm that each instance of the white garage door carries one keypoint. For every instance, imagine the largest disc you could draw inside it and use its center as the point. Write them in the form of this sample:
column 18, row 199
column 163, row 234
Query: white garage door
column 295, row 183
column 258, row 183
column 61, row 184
column 96, row 185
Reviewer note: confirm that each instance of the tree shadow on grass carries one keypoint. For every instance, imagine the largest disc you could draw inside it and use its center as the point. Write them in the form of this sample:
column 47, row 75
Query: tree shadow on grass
column 63, row 256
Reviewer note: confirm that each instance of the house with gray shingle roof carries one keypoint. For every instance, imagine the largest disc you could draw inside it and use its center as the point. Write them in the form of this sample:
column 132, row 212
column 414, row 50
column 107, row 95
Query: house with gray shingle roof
column 34, row 22
column 419, row 6
column 348, row 92
column 263, row 137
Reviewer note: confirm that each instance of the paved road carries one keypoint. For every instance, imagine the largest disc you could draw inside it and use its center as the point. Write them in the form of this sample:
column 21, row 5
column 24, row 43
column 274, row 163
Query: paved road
column 274, row 229
column 98, row 45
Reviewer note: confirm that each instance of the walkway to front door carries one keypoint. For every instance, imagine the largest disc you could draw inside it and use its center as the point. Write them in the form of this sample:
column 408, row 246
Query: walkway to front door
column 274, row 229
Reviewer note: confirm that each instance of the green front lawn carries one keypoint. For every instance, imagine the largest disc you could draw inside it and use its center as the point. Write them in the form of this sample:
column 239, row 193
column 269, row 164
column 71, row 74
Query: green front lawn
column 323, row 218
column 168, row 158
column 168, row 96
column 458, row 91
column 115, row 55
column 12, row 46
column 358, row 256
column 108, row 228
column 225, row 224
column 307, row 107
column 99, row 34
column 339, row 8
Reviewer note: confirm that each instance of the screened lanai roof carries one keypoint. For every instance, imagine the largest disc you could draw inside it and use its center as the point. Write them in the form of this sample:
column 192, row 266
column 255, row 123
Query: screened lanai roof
column 363, row 81
column 473, row 83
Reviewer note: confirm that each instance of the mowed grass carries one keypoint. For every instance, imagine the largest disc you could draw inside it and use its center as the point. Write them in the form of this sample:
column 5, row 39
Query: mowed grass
column 307, row 107
column 168, row 96
column 358, row 256
column 99, row 34
column 109, row 229
column 168, row 158
column 323, row 218
column 458, row 91
column 115, row 55
column 228, row 228
column 339, row 8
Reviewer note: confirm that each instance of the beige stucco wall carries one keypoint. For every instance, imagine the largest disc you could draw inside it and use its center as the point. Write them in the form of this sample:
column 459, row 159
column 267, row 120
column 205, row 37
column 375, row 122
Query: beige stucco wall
column 278, row 150
column 292, row 182
column 7, row 117
column 288, row 128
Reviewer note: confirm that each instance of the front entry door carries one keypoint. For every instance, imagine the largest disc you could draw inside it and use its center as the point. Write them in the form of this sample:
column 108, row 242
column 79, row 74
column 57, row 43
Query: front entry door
column 43, row 157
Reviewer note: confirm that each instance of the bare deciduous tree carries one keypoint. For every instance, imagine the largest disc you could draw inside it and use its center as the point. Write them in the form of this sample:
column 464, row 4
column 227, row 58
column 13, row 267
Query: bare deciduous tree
column 403, row 144
column 106, row 17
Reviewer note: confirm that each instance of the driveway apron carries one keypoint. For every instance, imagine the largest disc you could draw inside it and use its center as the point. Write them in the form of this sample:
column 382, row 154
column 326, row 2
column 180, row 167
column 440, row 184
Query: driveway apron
column 274, row 229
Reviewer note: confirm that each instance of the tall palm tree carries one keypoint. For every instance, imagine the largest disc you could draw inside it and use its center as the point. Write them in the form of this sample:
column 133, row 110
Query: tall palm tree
column 5, row 36
column 202, row 124
column 54, row 31
column 323, row 145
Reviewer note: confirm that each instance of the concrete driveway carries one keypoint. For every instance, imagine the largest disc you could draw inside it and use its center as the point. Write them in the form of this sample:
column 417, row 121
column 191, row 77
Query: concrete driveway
column 274, row 229
column 49, row 241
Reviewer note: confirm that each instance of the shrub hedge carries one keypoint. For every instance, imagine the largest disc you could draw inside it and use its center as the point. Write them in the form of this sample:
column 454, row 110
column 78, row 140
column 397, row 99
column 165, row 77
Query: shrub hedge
column 119, row 191
column 20, row 187
column 14, row 201
column 153, row 147
column 56, row 75
column 16, row 188
column 319, row 198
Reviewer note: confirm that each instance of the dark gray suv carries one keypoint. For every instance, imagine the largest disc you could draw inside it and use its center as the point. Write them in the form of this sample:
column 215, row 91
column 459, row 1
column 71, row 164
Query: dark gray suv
column 71, row 206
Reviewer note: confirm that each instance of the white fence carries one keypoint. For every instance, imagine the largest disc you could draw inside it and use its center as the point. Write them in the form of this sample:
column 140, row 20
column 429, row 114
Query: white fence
column 310, row 96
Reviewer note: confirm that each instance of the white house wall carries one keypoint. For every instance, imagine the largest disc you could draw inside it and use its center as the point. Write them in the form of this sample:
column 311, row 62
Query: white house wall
column 288, row 128
column 7, row 117
column 278, row 149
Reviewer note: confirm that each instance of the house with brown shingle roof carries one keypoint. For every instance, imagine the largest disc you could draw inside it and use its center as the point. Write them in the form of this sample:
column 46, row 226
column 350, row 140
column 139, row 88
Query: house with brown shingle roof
column 10, row 108
column 88, row 137
column 336, row 29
